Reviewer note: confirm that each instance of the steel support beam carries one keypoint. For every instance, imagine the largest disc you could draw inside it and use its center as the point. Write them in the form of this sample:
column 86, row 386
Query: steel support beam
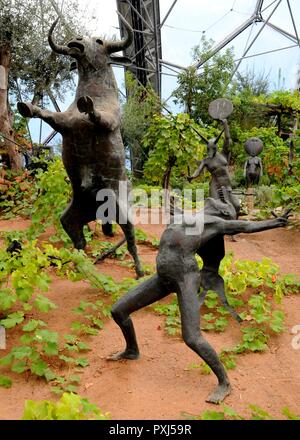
column 265, row 22
column 283, row 32
column 228, row 39
column 168, row 13
column 145, row 52
column 293, row 20
column 258, row 7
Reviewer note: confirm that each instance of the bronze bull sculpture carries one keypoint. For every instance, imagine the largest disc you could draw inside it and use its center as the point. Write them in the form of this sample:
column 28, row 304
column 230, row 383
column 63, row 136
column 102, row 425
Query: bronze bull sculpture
column 93, row 151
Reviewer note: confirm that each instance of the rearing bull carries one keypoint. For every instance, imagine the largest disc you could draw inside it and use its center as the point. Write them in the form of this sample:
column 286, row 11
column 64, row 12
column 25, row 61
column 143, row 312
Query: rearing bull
column 93, row 151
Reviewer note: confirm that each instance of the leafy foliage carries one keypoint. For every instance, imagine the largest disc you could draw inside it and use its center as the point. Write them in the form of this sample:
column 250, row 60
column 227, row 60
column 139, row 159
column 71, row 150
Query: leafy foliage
column 17, row 194
column 275, row 153
column 277, row 198
column 25, row 24
column 172, row 141
column 196, row 90
column 5, row 382
column 252, row 83
column 138, row 110
column 257, row 308
column 285, row 98
column 42, row 198
column 171, row 311
column 26, row 272
column 69, row 407
column 53, row 193
column 228, row 413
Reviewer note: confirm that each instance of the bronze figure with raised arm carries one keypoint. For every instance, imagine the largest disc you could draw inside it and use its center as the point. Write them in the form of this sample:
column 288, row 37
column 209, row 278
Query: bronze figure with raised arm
column 217, row 162
column 178, row 272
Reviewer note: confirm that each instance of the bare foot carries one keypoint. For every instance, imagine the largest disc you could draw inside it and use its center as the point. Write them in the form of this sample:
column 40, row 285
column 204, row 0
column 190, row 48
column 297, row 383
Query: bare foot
column 132, row 355
column 219, row 393
column 139, row 274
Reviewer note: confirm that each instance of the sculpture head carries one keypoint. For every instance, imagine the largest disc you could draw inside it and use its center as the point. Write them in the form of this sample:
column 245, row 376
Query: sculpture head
column 212, row 148
column 211, row 144
column 93, row 52
column 253, row 146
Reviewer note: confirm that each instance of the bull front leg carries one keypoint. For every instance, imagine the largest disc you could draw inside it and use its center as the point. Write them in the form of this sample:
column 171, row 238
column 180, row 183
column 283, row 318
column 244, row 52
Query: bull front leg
column 73, row 222
column 109, row 120
column 56, row 120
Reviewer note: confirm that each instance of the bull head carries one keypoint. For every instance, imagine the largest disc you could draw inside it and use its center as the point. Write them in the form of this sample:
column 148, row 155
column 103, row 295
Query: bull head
column 91, row 47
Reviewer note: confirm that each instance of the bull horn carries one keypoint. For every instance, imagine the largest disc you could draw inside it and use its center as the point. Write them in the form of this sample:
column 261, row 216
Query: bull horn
column 201, row 136
column 63, row 50
column 116, row 46
column 218, row 138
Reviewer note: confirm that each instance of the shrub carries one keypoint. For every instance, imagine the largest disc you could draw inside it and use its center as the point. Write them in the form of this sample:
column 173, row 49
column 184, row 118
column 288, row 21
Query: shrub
column 69, row 407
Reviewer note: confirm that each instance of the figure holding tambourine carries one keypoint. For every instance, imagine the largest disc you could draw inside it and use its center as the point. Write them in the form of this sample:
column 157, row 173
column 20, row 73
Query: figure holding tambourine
column 217, row 163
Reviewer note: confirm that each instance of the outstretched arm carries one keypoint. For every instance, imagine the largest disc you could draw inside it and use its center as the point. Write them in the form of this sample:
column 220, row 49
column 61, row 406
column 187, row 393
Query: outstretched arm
column 227, row 140
column 199, row 170
column 231, row 227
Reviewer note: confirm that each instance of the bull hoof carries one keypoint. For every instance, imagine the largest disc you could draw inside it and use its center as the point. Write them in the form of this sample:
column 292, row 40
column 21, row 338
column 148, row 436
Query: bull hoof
column 85, row 104
column 25, row 109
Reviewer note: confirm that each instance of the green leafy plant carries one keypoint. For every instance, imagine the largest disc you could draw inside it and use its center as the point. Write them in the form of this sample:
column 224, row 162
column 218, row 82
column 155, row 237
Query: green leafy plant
column 69, row 407
column 274, row 155
column 21, row 304
column 255, row 288
column 92, row 315
column 228, row 413
column 283, row 197
column 195, row 91
column 5, row 382
column 171, row 141
column 18, row 193
column 53, row 195
column 171, row 311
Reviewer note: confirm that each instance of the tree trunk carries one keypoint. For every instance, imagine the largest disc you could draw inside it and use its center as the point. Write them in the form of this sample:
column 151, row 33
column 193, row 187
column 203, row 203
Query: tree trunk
column 166, row 180
column 6, row 119
column 138, row 158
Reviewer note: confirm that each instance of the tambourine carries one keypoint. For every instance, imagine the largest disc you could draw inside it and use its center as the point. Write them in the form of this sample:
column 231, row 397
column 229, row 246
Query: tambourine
column 220, row 108
column 253, row 146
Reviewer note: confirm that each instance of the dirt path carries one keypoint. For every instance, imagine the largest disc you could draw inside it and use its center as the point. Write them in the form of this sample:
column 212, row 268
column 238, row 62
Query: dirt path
column 160, row 385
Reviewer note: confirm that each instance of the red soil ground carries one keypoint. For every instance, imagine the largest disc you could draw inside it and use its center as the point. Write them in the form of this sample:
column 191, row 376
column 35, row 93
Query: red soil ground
column 159, row 385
